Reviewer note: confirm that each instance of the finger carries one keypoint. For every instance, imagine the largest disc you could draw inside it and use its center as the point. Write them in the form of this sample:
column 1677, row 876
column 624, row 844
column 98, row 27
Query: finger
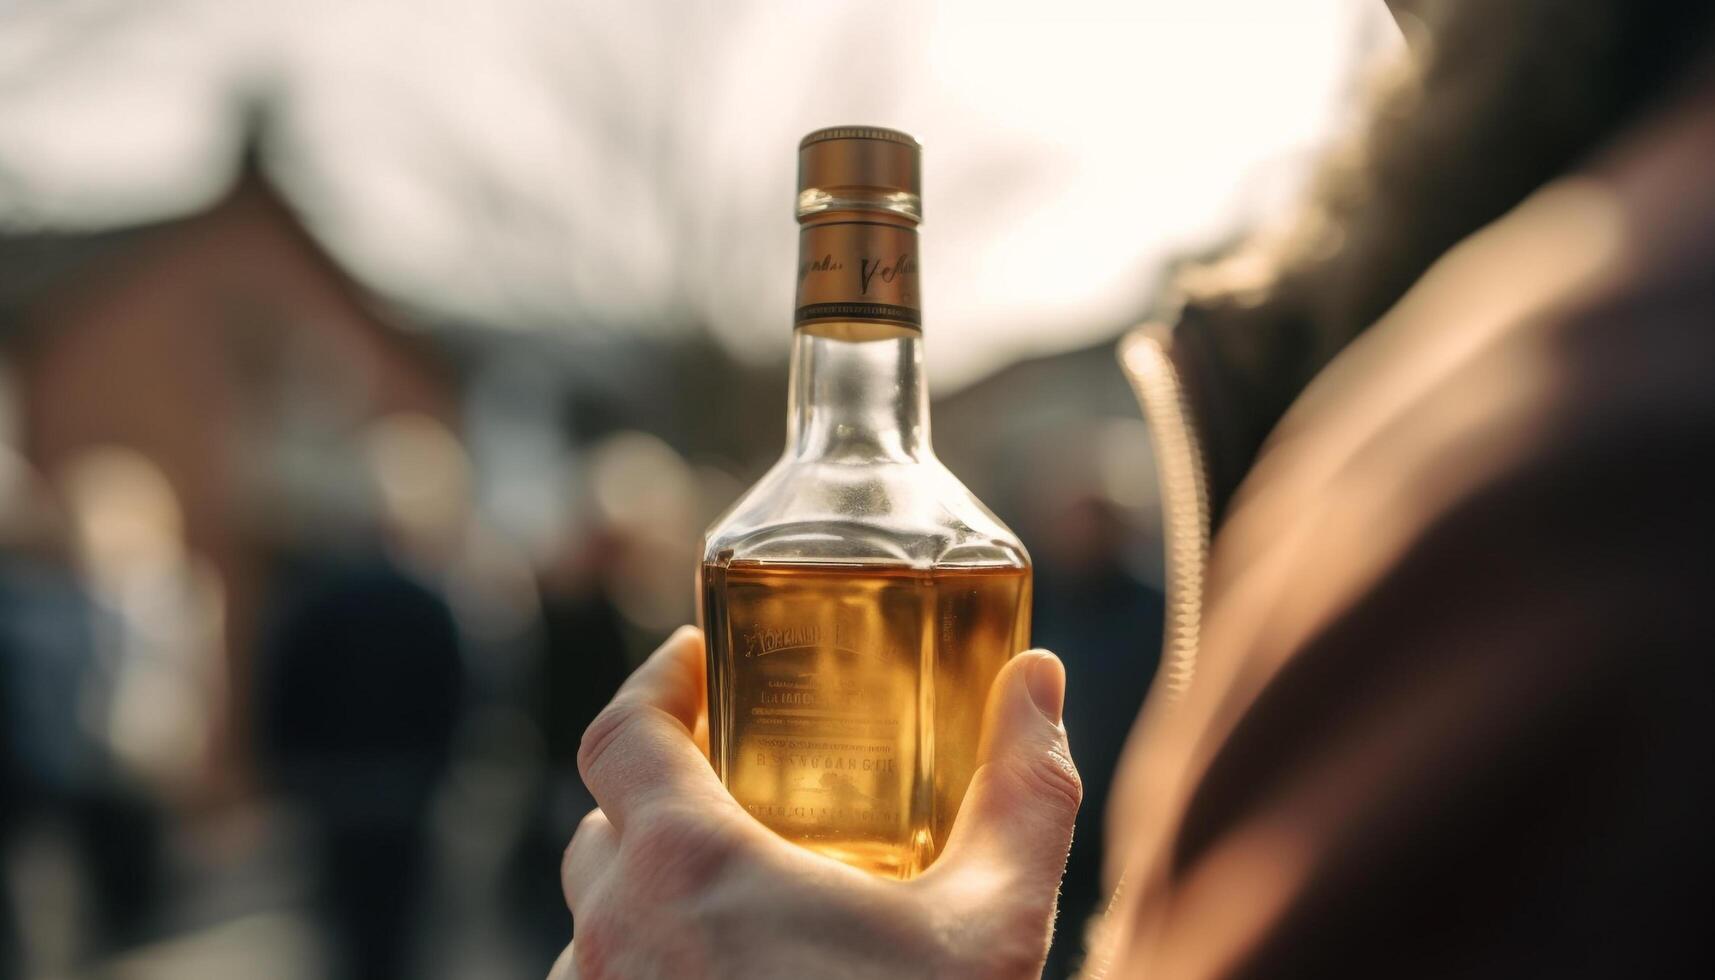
column 588, row 857
column 1025, row 794
column 564, row 968
column 639, row 751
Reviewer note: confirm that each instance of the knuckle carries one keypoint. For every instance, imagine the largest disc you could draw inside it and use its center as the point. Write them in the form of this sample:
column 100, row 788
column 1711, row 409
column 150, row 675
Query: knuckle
column 608, row 729
column 677, row 852
column 589, row 827
column 1050, row 778
column 593, row 938
column 592, row 822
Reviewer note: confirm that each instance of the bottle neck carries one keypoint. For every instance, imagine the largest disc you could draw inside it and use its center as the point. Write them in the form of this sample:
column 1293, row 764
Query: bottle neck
column 856, row 397
column 857, row 391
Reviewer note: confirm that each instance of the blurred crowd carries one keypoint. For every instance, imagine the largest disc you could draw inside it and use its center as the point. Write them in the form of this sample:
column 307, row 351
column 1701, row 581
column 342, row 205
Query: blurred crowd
column 304, row 606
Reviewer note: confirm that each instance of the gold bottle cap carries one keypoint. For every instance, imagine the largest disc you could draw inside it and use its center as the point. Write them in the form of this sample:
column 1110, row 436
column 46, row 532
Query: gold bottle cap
column 860, row 168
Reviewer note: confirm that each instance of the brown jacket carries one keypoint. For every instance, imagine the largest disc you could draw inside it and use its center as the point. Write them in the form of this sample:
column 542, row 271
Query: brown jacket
column 1437, row 698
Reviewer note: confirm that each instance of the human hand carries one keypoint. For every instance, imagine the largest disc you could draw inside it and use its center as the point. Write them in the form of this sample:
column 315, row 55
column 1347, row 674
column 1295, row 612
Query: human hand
column 672, row 878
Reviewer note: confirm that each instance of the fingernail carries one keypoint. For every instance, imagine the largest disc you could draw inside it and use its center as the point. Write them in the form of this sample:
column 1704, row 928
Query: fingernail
column 1046, row 679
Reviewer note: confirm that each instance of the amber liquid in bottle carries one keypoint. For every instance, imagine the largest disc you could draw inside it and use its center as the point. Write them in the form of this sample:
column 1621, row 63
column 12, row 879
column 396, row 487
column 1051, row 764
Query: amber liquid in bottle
column 853, row 697
column 858, row 600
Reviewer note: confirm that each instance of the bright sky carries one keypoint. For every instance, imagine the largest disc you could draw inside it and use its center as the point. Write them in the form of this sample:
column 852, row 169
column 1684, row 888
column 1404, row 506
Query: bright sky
column 628, row 165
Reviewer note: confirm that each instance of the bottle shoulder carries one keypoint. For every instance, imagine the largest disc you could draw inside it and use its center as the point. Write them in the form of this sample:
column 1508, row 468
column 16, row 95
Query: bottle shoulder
column 913, row 512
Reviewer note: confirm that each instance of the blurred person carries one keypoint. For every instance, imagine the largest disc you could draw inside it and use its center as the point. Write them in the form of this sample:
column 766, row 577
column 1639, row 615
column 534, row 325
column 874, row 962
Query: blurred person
column 362, row 684
column 618, row 582
column 58, row 772
column 360, row 690
column 582, row 665
column 163, row 673
column 1435, row 699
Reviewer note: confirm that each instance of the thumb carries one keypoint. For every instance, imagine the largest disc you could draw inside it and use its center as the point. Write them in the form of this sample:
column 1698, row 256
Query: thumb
column 1024, row 796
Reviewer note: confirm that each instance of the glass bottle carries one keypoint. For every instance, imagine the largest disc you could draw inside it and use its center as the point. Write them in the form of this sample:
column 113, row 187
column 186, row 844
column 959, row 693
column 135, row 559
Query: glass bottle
column 858, row 600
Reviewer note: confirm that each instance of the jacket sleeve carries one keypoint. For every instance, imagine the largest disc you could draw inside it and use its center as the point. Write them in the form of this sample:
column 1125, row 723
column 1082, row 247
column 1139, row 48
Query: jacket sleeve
column 1478, row 762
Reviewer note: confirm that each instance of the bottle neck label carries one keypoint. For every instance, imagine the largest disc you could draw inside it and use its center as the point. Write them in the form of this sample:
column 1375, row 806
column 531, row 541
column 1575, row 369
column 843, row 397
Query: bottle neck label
column 857, row 270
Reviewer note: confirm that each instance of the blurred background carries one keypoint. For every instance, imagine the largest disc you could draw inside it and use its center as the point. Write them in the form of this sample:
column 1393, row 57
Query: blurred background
column 368, row 372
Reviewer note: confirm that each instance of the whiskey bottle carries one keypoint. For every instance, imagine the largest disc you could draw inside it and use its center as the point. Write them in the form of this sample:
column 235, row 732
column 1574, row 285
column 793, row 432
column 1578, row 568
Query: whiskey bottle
column 858, row 601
